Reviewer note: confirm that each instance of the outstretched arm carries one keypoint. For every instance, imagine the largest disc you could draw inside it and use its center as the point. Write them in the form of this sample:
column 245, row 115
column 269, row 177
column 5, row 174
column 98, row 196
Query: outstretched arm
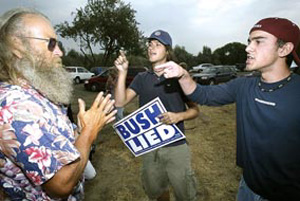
column 171, row 70
column 122, row 95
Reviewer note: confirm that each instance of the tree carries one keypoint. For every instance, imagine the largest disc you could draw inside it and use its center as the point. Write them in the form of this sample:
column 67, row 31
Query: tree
column 183, row 56
column 230, row 54
column 104, row 25
column 205, row 56
column 73, row 58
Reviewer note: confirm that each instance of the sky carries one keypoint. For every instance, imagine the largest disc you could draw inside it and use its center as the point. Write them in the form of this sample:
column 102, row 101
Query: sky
column 192, row 24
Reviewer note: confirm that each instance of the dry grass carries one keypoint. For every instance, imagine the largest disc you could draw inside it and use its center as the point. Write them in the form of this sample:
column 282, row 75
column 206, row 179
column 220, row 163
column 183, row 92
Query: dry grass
column 211, row 138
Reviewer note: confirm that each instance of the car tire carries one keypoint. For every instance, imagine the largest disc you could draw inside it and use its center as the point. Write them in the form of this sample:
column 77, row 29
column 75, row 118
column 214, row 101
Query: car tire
column 77, row 80
column 94, row 87
column 211, row 82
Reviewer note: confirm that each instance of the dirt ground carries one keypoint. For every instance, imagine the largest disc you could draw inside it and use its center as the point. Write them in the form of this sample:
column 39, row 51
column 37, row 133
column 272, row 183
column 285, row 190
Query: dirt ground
column 211, row 139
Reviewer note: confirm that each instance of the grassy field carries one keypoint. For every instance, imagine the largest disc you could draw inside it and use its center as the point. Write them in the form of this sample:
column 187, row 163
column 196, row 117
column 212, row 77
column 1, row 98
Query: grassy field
column 211, row 138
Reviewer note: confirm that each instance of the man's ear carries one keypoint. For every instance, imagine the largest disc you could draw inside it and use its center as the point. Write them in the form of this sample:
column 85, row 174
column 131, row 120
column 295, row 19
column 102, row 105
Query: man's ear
column 286, row 49
column 17, row 47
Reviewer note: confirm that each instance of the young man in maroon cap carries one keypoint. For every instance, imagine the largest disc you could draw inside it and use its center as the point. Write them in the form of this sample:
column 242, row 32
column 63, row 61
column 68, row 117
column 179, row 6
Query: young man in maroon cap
column 268, row 112
column 170, row 165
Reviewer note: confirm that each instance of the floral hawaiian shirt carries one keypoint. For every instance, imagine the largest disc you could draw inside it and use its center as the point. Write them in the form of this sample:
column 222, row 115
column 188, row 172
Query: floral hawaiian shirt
column 36, row 140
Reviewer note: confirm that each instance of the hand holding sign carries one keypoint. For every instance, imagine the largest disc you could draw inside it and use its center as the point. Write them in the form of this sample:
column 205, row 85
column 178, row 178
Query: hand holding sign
column 169, row 118
column 171, row 69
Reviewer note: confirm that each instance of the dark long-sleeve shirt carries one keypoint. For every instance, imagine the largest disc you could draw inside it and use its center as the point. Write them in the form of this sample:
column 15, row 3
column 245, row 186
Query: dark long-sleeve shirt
column 268, row 133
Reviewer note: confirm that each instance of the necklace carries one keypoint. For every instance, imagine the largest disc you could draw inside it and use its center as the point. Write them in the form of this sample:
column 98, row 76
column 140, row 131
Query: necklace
column 282, row 83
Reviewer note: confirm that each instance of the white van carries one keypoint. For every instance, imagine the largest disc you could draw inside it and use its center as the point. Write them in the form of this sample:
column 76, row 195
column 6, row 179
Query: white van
column 78, row 73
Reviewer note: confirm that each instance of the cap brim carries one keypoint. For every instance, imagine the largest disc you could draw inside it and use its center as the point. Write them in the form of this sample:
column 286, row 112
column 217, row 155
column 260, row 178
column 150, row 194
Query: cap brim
column 159, row 39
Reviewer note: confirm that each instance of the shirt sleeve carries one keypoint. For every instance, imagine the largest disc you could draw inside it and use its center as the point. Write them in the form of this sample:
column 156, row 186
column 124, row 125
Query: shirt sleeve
column 216, row 95
column 44, row 140
column 136, row 84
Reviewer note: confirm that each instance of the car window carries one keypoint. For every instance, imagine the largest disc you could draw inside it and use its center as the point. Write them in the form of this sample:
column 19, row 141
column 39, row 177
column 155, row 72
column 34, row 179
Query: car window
column 219, row 70
column 71, row 70
column 209, row 70
column 225, row 70
column 80, row 70
column 104, row 73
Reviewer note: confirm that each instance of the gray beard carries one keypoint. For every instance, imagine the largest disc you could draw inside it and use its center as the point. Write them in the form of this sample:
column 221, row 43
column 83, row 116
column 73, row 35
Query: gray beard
column 52, row 81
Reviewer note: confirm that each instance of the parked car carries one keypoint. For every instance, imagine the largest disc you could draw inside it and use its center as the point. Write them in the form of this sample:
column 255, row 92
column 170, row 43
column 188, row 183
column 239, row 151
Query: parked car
column 202, row 66
column 97, row 70
column 194, row 71
column 97, row 83
column 240, row 66
column 214, row 75
column 78, row 73
column 251, row 74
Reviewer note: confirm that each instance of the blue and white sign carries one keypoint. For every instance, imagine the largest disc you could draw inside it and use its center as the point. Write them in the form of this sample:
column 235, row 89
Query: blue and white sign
column 142, row 132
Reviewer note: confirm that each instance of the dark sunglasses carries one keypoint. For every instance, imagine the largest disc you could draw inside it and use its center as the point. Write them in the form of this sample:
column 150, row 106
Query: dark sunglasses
column 52, row 42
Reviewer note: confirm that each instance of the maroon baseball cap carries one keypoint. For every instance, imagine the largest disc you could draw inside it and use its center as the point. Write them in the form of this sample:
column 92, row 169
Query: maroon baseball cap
column 283, row 29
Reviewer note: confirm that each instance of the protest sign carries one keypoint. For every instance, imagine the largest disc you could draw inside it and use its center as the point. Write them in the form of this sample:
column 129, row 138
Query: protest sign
column 142, row 132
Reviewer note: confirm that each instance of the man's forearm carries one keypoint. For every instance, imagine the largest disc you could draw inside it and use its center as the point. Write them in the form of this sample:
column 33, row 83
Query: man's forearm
column 120, row 90
column 190, row 113
column 187, row 83
column 64, row 181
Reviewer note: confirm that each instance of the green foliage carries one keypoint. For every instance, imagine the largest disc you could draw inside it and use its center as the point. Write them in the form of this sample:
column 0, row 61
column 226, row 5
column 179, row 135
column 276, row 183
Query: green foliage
column 230, row 54
column 73, row 58
column 183, row 56
column 138, row 61
column 205, row 56
column 107, row 25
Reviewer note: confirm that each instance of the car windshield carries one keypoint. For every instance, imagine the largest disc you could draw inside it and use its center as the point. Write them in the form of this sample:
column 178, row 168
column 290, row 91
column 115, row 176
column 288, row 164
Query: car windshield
column 209, row 70
column 103, row 73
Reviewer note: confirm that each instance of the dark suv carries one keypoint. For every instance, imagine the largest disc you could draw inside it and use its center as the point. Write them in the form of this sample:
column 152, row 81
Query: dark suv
column 215, row 74
column 97, row 83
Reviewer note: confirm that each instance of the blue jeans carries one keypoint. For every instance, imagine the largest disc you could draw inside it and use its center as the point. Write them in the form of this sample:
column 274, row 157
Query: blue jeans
column 246, row 194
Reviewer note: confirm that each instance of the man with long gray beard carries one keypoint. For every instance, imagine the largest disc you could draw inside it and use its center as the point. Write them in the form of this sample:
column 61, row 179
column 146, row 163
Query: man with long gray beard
column 40, row 156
